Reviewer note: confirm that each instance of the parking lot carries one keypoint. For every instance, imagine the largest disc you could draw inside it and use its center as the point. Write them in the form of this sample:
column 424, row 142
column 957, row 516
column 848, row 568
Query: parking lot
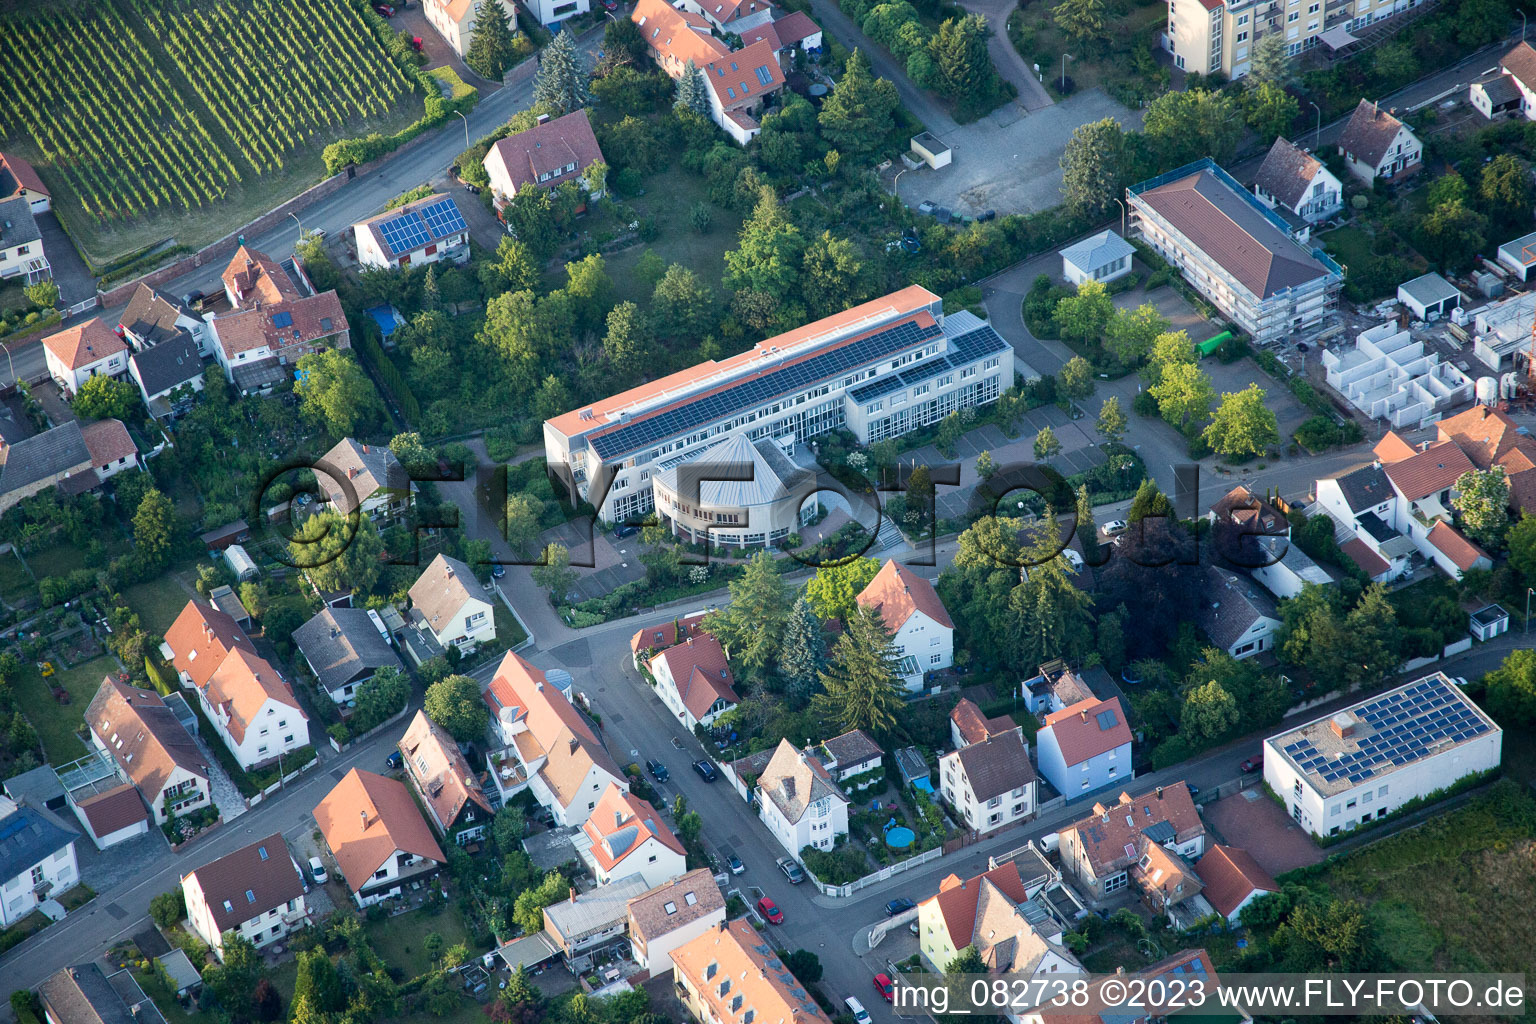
column 1259, row 825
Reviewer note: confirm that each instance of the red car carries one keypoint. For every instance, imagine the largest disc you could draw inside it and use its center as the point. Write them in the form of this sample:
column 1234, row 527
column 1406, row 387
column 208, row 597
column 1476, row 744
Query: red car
column 416, row 43
column 886, row 986
column 385, row 10
column 770, row 910
column 1252, row 765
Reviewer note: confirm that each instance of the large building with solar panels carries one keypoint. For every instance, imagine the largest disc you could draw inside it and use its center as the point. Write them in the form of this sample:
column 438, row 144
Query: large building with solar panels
column 1363, row 763
column 420, row 232
column 881, row 369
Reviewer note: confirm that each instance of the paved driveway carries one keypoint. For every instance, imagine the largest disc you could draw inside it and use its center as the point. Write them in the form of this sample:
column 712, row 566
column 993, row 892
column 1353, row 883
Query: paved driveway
column 1010, row 160
column 1032, row 95
column 69, row 272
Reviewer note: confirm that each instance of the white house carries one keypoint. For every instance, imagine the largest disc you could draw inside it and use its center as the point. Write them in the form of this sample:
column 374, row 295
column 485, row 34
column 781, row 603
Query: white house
column 153, row 318
column 549, row 12
column 1288, row 569
column 850, row 755
column 1085, row 746
column 379, row 839
column 149, row 743
column 1298, row 182
column 552, row 152
column 423, row 231
column 277, row 319
column 549, row 747
column 1362, row 504
column 21, row 242
column 37, row 859
column 1512, row 89
column 1423, row 482
column 799, row 802
column 624, row 837
column 1103, row 257
column 1430, row 296
column 366, row 478
column 449, row 606
column 1239, row 617
column 169, row 375
column 968, row 725
column 110, row 446
column 76, row 354
column 257, row 892
column 991, row 784
column 1232, row 880
column 1376, row 145
column 1055, row 686
column 694, row 680
column 20, row 180
column 455, row 20
column 915, row 618
column 1366, row 761
column 672, row 915
column 1488, row 622
column 995, row 912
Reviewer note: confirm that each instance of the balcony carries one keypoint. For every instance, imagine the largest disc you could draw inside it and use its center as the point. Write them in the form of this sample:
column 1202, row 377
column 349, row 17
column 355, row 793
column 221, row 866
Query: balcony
column 507, row 772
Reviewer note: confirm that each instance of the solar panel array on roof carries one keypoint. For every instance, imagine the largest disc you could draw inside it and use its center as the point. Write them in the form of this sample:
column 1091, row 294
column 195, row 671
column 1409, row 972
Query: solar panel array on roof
column 1106, row 719
column 967, row 348
column 283, row 319
column 763, row 386
column 404, row 233
column 1405, row 725
column 442, row 217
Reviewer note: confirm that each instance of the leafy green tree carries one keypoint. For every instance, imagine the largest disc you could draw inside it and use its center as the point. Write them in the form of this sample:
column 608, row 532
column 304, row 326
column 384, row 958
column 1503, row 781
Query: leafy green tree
column 1112, row 422
column 804, row 965
column 1149, row 503
column 588, row 287
column 1504, row 190
column 959, row 52
column 802, row 656
column 861, row 110
column 829, row 275
column 1452, row 231
column 493, row 48
column 1055, row 617
column 1270, row 110
column 337, row 554
column 516, row 264
column 1110, row 641
column 381, row 696
column 335, row 393
column 1511, row 690
column 1374, row 637
column 1327, row 937
column 1076, row 378
column 1243, row 424
column 769, row 252
column 509, row 828
column 623, row 42
column 1183, row 394
column 523, row 522
column 233, row 982
column 42, row 294
column 861, row 683
column 1185, row 126
column 834, row 590
column 168, row 908
column 1209, row 712
column 1271, row 63
column 318, row 987
column 413, row 453
column 1521, row 540
column 1085, row 314
column 1130, row 334
column 692, row 90
column 1094, row 163
column 554, row 573
column 528, row 909
column 1082, row 20
column 985, row 465
column 628, row 341
column 102, row 397
column 154, row 525
column 682, row 305
column 751, row 625
column 1168, row 349
column 551, row 399
column 1047, row 445
column 1480, row 22
column 561, row 82
column 1481, row 502
column 454, row 703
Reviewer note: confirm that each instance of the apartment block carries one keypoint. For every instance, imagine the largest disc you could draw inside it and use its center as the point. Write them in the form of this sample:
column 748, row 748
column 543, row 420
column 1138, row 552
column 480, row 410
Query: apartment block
column 1210, row 37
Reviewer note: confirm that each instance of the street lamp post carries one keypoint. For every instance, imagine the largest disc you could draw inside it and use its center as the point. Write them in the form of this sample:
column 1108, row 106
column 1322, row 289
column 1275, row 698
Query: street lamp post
column 1528, row 593
column 1064, row 58
column 466, row 127
column 1522, row 26
column 300, row 224
column 1122, row 215
column 1317, row 136
column 896, row 180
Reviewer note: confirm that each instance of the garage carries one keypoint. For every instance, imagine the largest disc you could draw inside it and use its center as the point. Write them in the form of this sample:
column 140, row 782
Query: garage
column 1429, row 297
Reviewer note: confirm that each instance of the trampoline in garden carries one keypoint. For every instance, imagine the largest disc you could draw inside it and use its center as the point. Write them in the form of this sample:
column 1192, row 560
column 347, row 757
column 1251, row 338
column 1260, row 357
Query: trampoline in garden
column 900, row 837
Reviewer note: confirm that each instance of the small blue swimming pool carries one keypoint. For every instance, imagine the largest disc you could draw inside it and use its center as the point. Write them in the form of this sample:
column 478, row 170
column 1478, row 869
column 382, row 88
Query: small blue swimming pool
column 900, row 837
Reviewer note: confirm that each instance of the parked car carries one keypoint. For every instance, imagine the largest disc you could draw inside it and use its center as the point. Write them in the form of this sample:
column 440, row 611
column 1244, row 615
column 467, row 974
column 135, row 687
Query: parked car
column 658, row 770
column 943, row 215
column 626, row 530
column 735, row 864
column 193, row 299
column 988, row 215
column 1252, row 764
column 856, row 1008
column 317, row 871
column 498, row 571
column 886, row 987
column 770, row 910
column 385, row 10
column 1115, row 526
column 927, row 207
column 706, row 770
column 610, row 5
column 1194, row 790
column 416, row 43
column 791, row 870
column 393, row 761
column 900, row 905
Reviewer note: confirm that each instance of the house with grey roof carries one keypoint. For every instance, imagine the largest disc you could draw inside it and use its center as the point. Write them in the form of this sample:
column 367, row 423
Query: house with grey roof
column 1287, row 568
column 1238, row 616
column 56, row 457
column 991, row 784
column 588, row 920
column 1376, row 145
column 169, row 375
column 1235, row 251
column 1429, row 296
column 715, row 491
column 21, row 242
column 1101, row 257
column 154, row 318
column 364, row 477
column 85, row 994
column 799, row 802
column 344, row 648
column 1294, row 180
column 37, row 859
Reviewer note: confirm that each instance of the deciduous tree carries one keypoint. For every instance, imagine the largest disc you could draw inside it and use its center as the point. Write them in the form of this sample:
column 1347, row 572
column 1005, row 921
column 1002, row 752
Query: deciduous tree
column 1209, row 711
column 1076, row 378
column 102, row 397
column 833, row 592
column 454, row 703
column 1183, row 393
column 1112, row 421
column 1481, row 503
column 555, row 573
column 335, row 393
column 1243, row 424
column 1047, row 445
column 1093, row 165
column 1085, row 314
column 1130, row 334
column 830, row 275
column 769, row 252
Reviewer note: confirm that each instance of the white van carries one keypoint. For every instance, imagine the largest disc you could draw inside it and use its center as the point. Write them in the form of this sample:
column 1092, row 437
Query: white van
column 860, row 1015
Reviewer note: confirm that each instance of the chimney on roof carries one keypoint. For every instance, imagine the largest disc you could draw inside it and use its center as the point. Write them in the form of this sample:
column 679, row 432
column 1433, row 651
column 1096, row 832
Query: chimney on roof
column 1159, row 792
column 1343, row 725
column 573, row 894
column 574, row 744
column 363, row 815
column 618, row 818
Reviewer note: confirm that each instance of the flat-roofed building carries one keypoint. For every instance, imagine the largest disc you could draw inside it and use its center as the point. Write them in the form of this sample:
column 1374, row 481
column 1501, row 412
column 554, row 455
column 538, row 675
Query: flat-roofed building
column 1343, row 770
column 880, row 369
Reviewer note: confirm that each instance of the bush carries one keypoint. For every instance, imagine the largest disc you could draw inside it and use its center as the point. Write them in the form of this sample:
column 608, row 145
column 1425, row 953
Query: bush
column 168, row 908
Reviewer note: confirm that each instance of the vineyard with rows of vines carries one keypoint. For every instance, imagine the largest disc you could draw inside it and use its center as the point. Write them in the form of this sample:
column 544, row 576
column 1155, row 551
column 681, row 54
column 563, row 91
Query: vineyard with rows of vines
column 86, row 92
column 276, row 72
column 148, row 107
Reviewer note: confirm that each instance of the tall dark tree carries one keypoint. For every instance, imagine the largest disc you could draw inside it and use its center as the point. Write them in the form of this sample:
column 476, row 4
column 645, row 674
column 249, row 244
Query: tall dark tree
column 861, row 111
column 802, row 655
column 861, row 684
column 493, row 48
column 561, row 81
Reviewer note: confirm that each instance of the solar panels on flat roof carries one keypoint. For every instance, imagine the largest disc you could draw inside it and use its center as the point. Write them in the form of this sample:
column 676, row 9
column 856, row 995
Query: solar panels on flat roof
column 760, row 387
column 967, row 348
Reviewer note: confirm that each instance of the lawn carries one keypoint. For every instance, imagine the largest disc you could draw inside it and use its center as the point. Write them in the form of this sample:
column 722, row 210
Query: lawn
column 62, row 559
column 508, row 632
column 1348, row 245
column 399, row 939
column 16, row 584
column 58, row 724
column 668, row 198
column 157, row 602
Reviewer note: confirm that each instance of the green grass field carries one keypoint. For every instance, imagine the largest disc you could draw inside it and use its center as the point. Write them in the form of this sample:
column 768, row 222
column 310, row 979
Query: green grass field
column 399, row 939
column 16, row 584
column 58, row 724
column 157, row 602
column 668, row 198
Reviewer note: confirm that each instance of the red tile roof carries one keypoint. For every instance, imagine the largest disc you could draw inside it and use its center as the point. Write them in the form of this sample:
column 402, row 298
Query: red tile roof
column 1392, row 448
column 201, row 638
column 758, row 977
column 792, row 28
column 280, row 325
column 241, row 686
column 446, row 783
column 676, row 36
column 1486, row 435
column 956, row 899
column 1111, row 838
column 621, row 823
column 663, row 635
column 144, row 736
column 737, row 78
column 365, row 819
column 1230, row 873
column 1080, row 734
column 84, row 344
column 701, row 673
column 25, row 175
column 897, row 593
column 726, row 10
column 255, row 277
column 108, row 441
column 546, row 148
column 115, row 809
column 1435, row 469
column 1462, row 552
column 1359, row 552
column 976, row 727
